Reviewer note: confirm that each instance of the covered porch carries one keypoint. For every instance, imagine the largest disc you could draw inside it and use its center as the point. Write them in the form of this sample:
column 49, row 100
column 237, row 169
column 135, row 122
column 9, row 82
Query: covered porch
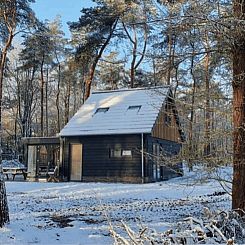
column 42, row 155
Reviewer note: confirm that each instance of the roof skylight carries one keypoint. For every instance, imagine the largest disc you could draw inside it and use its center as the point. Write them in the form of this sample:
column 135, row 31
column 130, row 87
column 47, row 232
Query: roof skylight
column 102, row 110
column 135, row 108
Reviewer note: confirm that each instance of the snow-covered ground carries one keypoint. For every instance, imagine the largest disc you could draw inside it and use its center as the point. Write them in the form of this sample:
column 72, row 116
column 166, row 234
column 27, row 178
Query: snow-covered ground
column 80, row 213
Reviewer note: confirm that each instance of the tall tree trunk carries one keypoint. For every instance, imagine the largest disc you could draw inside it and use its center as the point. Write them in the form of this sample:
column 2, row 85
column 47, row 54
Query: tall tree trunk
column 170, row 56
column 30, row 101
column 134, row 54
column 67, row 101
column 46, row 104
column 89, row 79
column 238, row 84
column 207, row 148
column 192, row 113
column 42, row 98
column 58, row 97
column 238, row 190
column 90, row 76
column 176, row 81
column 134, row 41
column 4, row 212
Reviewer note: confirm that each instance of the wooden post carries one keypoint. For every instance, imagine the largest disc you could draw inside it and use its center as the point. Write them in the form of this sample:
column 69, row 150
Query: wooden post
column 32, row 161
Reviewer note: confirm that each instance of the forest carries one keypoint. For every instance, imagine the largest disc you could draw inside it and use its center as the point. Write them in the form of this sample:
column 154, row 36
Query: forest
column 196, row 47
column 119, row 44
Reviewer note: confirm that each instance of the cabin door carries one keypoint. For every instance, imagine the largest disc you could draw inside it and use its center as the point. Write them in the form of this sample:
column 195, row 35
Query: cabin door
column 76, row 162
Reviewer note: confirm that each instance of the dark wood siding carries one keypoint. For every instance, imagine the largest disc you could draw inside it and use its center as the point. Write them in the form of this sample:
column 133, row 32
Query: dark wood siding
column 65, row 160
column 97, row 163
column 167, row 129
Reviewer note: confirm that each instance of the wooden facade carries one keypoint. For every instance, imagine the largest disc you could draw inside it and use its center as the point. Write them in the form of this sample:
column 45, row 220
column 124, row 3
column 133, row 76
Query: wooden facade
column 167, row 125
column 166, row 141
column 98, row 161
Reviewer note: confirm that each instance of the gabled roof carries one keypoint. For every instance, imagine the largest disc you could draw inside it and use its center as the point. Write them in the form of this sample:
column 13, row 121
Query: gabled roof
column 118, row 112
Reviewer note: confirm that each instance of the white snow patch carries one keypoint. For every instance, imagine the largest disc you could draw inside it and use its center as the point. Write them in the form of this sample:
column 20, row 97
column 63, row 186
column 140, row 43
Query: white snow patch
column 80, row 213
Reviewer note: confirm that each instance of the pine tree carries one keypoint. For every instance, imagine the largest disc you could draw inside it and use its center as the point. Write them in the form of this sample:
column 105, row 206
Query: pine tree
column 14, row 15
column 238, row 84
column 96, row 26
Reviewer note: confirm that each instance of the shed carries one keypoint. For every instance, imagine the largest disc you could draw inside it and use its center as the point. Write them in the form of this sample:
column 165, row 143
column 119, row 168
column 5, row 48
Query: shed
column 119, row 136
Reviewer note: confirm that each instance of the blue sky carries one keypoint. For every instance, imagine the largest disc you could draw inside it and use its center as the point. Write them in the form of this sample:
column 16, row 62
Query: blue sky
column 69, row 10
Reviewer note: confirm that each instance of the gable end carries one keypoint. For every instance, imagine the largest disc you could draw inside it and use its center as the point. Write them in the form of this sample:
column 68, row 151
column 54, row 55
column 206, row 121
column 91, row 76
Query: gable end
column 167, row 125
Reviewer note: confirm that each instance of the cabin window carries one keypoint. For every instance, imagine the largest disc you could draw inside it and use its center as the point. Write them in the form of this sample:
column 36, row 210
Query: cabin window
column 120, row 153
column 101, row 110
column 115, row 152
column 135, row 108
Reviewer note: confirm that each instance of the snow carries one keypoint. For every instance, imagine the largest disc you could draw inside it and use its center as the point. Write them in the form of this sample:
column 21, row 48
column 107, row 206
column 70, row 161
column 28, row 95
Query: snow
column 118, row 119
column 15, row 163
column 80, row 213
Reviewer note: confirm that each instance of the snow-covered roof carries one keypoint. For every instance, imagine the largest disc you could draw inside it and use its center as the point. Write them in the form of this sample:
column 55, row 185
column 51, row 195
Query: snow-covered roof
column 117, row 112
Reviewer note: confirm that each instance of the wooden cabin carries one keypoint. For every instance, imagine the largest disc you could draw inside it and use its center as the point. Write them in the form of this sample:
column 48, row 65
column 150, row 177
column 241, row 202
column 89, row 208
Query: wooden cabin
column 122, row 136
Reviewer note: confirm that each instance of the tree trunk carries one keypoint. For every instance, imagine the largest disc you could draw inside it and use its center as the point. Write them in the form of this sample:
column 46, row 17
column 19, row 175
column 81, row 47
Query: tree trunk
column 238, row 189
column 42, row 99
column 4, row 212
column 46, row 104
column 170, row 57
column 207, row 148
column 67, row 101
column 134, row 41
column 90, row 77
column 238, row 84
column 134, row 54
column 58, row 97
column 192, row 113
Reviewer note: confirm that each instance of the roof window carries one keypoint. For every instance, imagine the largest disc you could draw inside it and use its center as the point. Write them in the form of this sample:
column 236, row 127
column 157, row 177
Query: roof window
column 135, row 108
column 101, row 110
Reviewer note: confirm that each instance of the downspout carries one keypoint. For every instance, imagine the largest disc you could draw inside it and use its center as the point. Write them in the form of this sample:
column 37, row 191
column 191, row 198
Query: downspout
column 61, row 160
column 142, row 157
